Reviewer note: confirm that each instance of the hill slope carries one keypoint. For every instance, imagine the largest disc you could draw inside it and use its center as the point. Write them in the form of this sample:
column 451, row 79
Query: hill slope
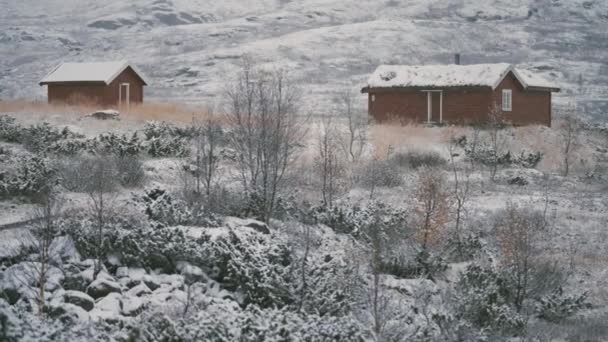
column 189, row 47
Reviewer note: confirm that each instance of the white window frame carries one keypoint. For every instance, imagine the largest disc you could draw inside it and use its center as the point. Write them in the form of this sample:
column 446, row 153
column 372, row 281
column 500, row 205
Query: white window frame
column 373, row 97
column 507, row 100
column 429, row 104
column 128, row 94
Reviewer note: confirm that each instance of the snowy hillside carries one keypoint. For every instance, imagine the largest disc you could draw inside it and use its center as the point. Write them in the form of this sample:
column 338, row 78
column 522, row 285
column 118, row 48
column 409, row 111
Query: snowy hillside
column 188, row 46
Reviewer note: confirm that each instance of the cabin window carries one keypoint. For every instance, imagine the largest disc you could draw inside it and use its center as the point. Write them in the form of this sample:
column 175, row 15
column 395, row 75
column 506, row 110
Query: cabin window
column 507, row 100
column 373, row 97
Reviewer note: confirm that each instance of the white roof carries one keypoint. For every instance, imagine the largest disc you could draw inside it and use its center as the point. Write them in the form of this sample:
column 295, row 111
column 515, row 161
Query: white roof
column 481, row 75
column 89, row 72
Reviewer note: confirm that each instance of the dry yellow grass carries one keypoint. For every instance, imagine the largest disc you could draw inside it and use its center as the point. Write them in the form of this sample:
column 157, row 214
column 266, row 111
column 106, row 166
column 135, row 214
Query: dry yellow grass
column 394, row 137
column 140, row 112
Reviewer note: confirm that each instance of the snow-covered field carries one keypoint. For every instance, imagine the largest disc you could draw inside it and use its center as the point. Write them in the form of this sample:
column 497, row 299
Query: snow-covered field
column 189, row 48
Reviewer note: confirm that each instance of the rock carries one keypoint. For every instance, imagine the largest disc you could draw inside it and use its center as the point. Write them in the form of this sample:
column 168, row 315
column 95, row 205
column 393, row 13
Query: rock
column 132, row 306
column 518, row 180
column 19, row 277
column 150, row 282
column 160, row 263
column 63, row 250
column 68, row 313
column 139, row 290
column 122, row 272
column 107, row 114
column 235, row 223
column 12, row 295
column 101, row 287
column 110, row 303
column 76, row 279
column 191, row 273
column 80, row 299
column 259, row 226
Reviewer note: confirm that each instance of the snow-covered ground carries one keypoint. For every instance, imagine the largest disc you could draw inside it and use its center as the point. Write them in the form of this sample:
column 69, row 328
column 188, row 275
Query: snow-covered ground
column 189, row 48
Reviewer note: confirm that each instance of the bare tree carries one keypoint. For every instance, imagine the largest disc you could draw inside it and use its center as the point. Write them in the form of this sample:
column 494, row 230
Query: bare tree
column 378, row 301
column 101, row 189
column 41, row 234
column 519, row 233
column 262, row 112
column 569, row 131
column 304, row 268
column 356, row 125
column 205, row 165
column 431, row 207
column 328, row 162
column 496, row 122
column 462, row 186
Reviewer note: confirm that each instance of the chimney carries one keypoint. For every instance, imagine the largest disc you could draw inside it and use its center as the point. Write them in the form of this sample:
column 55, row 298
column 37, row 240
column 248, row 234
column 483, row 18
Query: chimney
column 457, row 59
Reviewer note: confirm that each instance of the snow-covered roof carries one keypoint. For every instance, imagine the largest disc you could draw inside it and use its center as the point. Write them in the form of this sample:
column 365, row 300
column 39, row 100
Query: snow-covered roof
column 474, row 75
column 104, row 72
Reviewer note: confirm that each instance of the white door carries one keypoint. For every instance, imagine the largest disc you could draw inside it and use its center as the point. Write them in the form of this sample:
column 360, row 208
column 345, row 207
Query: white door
column 123, row 94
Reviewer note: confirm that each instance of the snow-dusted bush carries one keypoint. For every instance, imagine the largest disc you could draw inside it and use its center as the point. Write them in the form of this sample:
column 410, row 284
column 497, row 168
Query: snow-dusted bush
column 130, row 170
column 72, row 147
column 32, row 176
column 254, row 265
column 38, row 138
column 162, row 208
column 225, row 324
column 166, row 140
column 10, row 131
column 156, row 129
column 464, row 247
column 423, row 264
column 346, row 217
column 416, row 159
column 379, row 173
column 558, row 306
column 119, row 145
column 485, row 155
column 482, row 299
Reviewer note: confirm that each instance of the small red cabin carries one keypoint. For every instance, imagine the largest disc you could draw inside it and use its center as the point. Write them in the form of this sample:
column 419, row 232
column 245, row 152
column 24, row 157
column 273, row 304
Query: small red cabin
column 458, row 94
column 103, row 83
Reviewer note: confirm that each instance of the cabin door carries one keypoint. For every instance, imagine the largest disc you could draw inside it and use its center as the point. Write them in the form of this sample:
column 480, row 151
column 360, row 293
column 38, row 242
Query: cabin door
column 123, row 94
column 434, row 106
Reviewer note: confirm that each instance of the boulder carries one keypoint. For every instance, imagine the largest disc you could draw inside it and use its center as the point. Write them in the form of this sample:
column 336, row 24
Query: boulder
column 67, row 312
column 101, row 287
column 63, row 250
column 139, row 290
column 80, row 299
column 191, row 273
column 111, row 303
column 258, row 226
column 518, row 180
column 132, row 306
column 107, row 114
column 122, row 272
column 151, row 282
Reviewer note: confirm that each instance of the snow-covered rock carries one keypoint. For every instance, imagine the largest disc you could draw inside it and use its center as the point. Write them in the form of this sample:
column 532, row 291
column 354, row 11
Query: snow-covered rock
column 235, row 222
column 111, row 303
column 62, row 250
column 132, row 306
column 21, row 280
column 106, row 114
column 151, row 282
column 80, row 299
column 101, row 287
column 191, row 273
column 68, row 311
column 122, row 272
column 139, row 290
